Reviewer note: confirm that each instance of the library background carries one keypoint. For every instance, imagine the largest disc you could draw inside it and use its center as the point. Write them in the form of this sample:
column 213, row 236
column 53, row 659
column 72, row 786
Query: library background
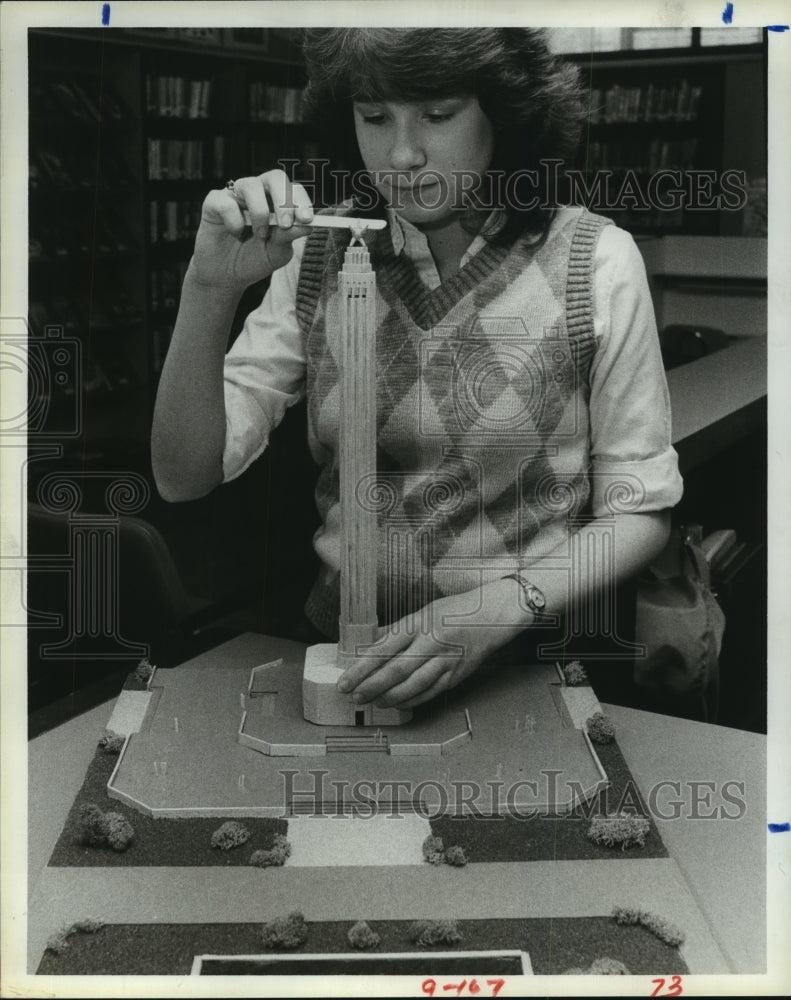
column 129, row 130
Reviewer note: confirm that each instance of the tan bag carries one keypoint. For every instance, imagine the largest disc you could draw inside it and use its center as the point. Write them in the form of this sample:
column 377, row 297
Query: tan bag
column 681, row 625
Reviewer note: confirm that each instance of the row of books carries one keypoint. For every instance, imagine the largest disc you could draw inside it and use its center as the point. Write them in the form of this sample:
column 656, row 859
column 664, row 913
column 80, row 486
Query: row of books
column 265, row 154
column 650, row 103
column 99, row 377
column 186, row 159
column 269, row 103
column 172, row 220
column 658, row 154
column 166, row 282
column 71, row 171
column 110, row 308
column 284, row 41
column 206, row 36
column 89, row 100
column 103, row 236
column 177, row 97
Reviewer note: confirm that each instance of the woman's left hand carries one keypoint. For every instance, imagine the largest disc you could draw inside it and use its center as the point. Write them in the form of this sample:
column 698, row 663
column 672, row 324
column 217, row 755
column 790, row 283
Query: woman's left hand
column 425, row 653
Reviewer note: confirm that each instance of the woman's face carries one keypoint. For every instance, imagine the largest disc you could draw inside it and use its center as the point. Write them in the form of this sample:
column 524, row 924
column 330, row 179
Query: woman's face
column 425, row 156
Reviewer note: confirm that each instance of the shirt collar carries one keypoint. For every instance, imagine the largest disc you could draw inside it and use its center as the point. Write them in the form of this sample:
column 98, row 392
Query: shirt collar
column 407, row 238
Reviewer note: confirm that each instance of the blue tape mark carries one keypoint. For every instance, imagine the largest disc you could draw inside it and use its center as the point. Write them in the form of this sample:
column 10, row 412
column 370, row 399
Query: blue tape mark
column 777, row 27
column 105, row 14
column 779, row 827
column 727, row 14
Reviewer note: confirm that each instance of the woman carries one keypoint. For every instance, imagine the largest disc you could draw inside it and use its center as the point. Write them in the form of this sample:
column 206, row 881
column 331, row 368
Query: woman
column 522, row 407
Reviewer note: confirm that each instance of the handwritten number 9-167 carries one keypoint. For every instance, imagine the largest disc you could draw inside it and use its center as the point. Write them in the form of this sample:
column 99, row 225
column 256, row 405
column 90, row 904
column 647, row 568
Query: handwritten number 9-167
column 429, row 987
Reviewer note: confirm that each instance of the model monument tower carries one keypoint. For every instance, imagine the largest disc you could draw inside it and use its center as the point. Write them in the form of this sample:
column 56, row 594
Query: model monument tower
column 358, row 625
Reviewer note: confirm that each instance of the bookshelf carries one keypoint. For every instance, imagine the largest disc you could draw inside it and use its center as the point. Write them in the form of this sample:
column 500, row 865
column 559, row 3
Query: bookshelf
column 187, row 140
column 204, row 123
column 84, row 241
column 128, row 132
column 669, row 114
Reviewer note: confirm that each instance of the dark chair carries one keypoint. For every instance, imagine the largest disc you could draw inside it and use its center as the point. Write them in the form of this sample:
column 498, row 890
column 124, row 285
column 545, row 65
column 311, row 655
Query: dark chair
column 151, row 600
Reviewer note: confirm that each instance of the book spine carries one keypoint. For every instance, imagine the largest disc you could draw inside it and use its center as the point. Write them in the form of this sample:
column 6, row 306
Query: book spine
column 205, row 98
column 181, row 104
column 171, row 221
column 194, row 103
column 153, row 221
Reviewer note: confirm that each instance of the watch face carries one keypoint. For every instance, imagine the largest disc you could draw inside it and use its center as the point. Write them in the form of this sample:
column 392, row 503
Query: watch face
column 537, row 597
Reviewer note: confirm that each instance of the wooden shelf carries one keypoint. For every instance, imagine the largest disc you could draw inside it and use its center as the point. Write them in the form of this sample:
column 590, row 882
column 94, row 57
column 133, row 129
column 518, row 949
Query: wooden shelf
column 661, row 58
column 641, row 125
column 164, row 187
column 154, row 41
column 180, row 127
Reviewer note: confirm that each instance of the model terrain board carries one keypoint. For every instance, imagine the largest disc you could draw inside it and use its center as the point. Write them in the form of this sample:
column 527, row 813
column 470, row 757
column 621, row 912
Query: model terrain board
column 228, row 840
column 215, row 739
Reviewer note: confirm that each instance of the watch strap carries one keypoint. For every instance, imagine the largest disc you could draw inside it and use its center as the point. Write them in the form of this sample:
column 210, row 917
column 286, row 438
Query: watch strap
column 534, row 597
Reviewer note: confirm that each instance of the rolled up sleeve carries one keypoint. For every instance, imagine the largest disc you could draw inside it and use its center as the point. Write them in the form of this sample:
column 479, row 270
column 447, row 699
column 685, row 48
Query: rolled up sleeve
column 634, row 466
column 264, row 371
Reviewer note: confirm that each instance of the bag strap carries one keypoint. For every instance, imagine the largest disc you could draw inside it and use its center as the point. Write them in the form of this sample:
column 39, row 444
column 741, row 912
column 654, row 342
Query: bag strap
column 694, row 556
column 682, row 556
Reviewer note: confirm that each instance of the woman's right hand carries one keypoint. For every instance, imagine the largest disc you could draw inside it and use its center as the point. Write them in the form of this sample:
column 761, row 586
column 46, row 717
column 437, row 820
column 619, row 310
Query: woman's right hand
column 227, row 256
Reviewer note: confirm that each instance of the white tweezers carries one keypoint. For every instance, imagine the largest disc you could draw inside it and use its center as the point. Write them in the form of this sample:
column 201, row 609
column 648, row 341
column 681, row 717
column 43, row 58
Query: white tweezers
column 333, row 222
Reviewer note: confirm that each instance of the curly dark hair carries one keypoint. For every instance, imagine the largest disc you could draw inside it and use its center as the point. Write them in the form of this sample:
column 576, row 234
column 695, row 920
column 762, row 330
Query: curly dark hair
column 533, row 99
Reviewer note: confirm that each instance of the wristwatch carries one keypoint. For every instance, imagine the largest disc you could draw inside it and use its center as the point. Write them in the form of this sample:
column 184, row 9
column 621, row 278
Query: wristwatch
column 534, row 598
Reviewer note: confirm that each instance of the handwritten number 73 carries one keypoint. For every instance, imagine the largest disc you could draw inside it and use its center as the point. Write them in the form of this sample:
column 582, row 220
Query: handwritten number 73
column 673, row 987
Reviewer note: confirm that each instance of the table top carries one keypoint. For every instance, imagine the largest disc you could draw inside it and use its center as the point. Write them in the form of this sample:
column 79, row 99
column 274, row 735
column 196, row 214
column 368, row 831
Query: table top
column 717, row 399
column 710, row 772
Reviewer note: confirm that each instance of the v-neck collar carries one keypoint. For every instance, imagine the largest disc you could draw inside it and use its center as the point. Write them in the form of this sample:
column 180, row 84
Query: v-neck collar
column 397, row 276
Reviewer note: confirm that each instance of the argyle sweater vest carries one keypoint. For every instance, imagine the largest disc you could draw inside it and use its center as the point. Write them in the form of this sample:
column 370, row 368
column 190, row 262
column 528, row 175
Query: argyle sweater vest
column 482, row 415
